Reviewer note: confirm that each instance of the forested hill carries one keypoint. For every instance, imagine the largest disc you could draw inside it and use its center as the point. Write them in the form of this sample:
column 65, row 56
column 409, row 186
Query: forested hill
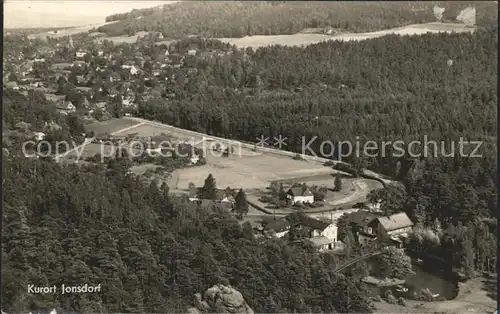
column 238, row 19
column 395, row 88
column 150, row 251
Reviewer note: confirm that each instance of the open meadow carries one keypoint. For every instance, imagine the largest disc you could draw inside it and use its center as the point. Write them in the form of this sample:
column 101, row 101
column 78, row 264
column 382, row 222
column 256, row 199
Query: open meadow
column 244, row 169
column 303, row 39
column 246, row 172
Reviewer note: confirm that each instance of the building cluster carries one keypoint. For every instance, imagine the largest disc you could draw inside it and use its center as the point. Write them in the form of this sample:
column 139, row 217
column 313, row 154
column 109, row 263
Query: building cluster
column 98, row 79
column 366, row 227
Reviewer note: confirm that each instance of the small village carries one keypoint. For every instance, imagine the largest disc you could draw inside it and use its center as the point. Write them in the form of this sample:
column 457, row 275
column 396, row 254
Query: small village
column 100, row 82
column 144, row 125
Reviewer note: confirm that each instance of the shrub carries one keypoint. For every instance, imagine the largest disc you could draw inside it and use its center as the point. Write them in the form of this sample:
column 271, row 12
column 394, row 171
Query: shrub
column 298, row 157
column 299, row 205
column 317, row 204
column 265, row 199
column 391, row 299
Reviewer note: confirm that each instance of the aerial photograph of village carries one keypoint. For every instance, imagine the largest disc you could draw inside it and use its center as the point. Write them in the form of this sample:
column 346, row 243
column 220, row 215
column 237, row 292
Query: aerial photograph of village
column 249, row 157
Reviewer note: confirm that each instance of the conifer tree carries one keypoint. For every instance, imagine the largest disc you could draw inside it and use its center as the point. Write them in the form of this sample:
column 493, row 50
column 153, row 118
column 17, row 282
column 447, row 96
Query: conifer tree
column 209, row 189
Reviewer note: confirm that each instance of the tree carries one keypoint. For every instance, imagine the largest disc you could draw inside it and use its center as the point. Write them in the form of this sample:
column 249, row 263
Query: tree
column 209, row 189
column 241, row 204
column 343, row 226
column 337, row 183
column 193, row 191
column 394, row 263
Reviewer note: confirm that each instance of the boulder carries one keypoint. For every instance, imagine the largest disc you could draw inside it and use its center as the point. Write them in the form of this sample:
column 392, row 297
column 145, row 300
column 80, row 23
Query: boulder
column 220, row 299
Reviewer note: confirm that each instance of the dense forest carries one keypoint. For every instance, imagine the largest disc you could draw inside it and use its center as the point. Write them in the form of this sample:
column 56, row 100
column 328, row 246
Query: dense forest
column 238, row 19
column 150, row 251
column 387, row 89
column 356, row 92
column 23, row 115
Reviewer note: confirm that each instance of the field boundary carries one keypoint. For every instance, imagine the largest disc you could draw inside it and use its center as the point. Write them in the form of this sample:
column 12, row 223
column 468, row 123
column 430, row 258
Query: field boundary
column 367, row 174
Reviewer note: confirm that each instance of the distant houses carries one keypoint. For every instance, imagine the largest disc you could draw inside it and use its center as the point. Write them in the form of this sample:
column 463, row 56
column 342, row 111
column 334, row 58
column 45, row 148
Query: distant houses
column 66, row 107
column 80, row 54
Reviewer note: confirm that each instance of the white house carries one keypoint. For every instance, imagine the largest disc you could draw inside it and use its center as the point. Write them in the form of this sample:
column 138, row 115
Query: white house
column 375, row 206
column 39, row 136
column 41, row 60
column 80, row 54
column 322, row 234
column 300, row 194
column 192, row 52
column 133, row 70
column 194, row 159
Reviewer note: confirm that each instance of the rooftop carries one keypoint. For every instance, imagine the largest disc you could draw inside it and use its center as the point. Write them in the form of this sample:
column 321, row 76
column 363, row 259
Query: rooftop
column 362, row 218
column 396, row 221
column 320, row 241
column 313, row 223
column 278, row 225
column 299, row 190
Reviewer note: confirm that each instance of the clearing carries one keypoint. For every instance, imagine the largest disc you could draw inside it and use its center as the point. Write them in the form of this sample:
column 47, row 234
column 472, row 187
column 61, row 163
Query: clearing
column 244, row 169
column 251, row 170
column 110, row 126
column 309, row 38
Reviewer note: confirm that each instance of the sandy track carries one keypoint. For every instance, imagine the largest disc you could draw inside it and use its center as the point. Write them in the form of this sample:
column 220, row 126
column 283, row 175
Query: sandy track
column 308, row 39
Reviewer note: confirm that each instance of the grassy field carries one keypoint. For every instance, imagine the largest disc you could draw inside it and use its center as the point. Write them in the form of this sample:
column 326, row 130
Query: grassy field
column 309, row 38
column 110, row 126
column 247, row 169
column 144, row 130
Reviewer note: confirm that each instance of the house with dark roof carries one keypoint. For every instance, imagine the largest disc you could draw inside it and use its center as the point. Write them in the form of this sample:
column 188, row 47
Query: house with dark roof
column 369, row 226
column 300, row 194
column 321, row 233
column 66, row 107
column 278, row 228
column 396, row 227
column 360, row 223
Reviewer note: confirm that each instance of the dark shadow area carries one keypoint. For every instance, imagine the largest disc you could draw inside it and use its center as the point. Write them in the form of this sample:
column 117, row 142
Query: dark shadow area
column 490, row 285
column 342, row 175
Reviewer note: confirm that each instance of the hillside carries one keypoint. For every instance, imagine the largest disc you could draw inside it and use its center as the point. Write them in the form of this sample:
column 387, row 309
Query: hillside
column 238, row 19
column 149, row 250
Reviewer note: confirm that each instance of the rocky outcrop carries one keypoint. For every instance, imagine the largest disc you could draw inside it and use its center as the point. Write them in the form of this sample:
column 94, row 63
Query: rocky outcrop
column 220, row 299
column 467, row 16
column 438, row 12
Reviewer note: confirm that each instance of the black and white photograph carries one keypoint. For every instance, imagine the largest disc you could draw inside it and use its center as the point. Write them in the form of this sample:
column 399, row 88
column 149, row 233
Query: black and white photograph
column 249, row 157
